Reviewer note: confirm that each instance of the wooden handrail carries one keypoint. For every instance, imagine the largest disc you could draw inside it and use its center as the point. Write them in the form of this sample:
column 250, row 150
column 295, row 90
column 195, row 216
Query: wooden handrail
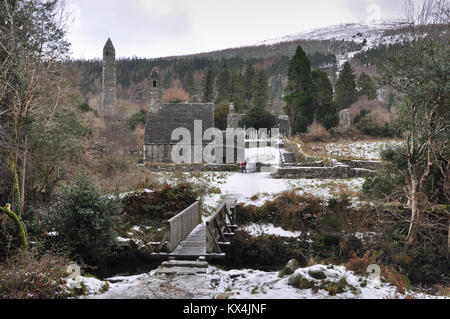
column 216, row 224
column 182, row 225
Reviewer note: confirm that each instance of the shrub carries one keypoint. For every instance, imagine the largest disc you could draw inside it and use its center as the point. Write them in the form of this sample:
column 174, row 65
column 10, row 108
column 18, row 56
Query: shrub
column 136, row 119
column 28, row 275
column 85, row 220
column 395, row 278
column 370, row 127
column 359, row 264
column 264, row 251
column 113, row 165
column 175, row 95
column 317, row 132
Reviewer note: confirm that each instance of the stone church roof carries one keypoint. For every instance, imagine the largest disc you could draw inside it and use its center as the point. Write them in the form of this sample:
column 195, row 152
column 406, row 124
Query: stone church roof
column 160, row 125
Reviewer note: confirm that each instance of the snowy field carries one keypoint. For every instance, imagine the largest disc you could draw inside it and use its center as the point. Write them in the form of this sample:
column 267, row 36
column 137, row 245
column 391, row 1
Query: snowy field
column 257, row 188
column 269, row 229
column 364, row 150
column 245, row 284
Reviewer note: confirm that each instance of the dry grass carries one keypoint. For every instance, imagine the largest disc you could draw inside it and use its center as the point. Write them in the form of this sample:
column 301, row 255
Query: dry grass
column 28, row 275
column 317, row 132
column 132, row 178
column 359, row 264
column 395, row 278
column 442, row 291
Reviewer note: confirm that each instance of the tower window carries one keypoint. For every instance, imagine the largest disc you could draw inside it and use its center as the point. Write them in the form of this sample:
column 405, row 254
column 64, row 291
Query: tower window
column 154, row 84
column 106, row 53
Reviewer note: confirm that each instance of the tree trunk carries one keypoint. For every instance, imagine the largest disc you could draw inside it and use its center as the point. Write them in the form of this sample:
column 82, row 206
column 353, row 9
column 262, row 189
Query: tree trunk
column 16, row 186
column 21, row 234
column 448, row 241
column 24, row 169
column 415, row 213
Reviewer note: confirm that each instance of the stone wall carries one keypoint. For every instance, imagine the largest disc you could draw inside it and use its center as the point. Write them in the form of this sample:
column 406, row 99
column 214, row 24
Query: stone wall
column 160, row 167
column 332, row 172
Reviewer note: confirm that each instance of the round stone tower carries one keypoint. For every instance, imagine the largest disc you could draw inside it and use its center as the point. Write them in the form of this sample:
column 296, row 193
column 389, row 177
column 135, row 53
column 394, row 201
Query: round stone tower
column 109, row 98
column 155, row 91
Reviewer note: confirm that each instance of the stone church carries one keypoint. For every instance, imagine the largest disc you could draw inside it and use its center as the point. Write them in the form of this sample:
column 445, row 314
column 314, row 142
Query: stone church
column 163, row 119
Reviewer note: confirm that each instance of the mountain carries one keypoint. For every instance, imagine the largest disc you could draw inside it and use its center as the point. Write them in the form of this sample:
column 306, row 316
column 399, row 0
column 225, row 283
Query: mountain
column 328, row 49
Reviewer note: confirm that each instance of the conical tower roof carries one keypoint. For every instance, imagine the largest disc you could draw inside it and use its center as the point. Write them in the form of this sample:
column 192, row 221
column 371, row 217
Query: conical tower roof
column 109, row 44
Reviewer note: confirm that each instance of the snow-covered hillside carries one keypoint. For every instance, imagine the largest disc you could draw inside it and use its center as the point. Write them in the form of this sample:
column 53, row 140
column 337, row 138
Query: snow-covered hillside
column 374, row 33
column 368, row 35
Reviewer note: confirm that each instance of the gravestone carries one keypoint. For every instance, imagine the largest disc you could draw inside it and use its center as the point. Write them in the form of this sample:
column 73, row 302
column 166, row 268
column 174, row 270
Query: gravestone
column 345, row 119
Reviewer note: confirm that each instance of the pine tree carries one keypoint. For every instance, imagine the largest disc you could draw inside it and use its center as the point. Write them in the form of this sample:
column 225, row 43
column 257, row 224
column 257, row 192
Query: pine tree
column 324, row 108
column 345, row 88
column 223, row 85
column 366, row 86
column 258, row 118
column 298, row 93
column 190, row 84
column 208, row 88
column 221, row 115
column 249, row 84
column 237, row 90
column 261, row 90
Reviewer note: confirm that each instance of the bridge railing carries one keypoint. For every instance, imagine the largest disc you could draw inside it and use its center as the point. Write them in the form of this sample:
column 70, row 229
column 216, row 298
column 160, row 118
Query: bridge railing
column 182, row 225
column 217, row 225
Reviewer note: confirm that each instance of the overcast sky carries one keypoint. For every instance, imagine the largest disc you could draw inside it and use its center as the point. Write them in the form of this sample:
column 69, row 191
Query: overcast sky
column 160, row 28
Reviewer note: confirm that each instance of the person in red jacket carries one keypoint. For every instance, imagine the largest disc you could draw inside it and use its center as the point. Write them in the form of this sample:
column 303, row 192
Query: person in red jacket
column 244, row 167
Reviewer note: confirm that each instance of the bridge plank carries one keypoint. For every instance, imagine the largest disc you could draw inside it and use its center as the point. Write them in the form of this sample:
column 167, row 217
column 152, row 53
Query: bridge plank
column 194, row 244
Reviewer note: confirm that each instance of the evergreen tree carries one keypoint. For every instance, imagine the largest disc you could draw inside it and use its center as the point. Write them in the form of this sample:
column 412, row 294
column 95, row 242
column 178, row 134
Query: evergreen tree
column 366, row 86
column 223, row 85
column 345, row 88
column 221, row 115
column 190, row 84
column 298, row 93
column 208, row 88
column 324, row 108
column 237, row 90
column 249, row 84
column 261, row 90
column 258, row 118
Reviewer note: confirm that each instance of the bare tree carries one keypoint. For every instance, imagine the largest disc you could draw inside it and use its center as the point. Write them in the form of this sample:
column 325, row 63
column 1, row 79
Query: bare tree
column 32, row 50
column 419, row 72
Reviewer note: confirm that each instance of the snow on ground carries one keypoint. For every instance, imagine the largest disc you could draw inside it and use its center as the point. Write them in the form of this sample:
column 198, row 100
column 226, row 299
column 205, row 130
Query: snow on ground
column 92, row 285
column 254, row 284
column 257, row 188
column 367, row 35
column 265, row 155
column 247, row 284
column 367, row 150
column 374, row 33
column 269, row 229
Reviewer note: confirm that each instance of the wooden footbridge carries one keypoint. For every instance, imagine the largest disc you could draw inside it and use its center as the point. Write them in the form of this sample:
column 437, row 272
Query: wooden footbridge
column 188, row 238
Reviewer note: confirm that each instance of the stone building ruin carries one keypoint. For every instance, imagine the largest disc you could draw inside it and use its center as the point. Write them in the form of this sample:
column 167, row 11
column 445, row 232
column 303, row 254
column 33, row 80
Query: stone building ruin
column 163, row 119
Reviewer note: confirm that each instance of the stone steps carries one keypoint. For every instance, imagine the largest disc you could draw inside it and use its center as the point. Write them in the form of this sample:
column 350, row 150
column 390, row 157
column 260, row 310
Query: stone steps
column 182, row 268
column 184, row 263
column 180, row 271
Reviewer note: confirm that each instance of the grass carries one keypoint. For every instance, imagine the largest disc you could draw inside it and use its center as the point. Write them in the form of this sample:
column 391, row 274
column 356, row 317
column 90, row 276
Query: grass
column 30, row 275
column 316, row 151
